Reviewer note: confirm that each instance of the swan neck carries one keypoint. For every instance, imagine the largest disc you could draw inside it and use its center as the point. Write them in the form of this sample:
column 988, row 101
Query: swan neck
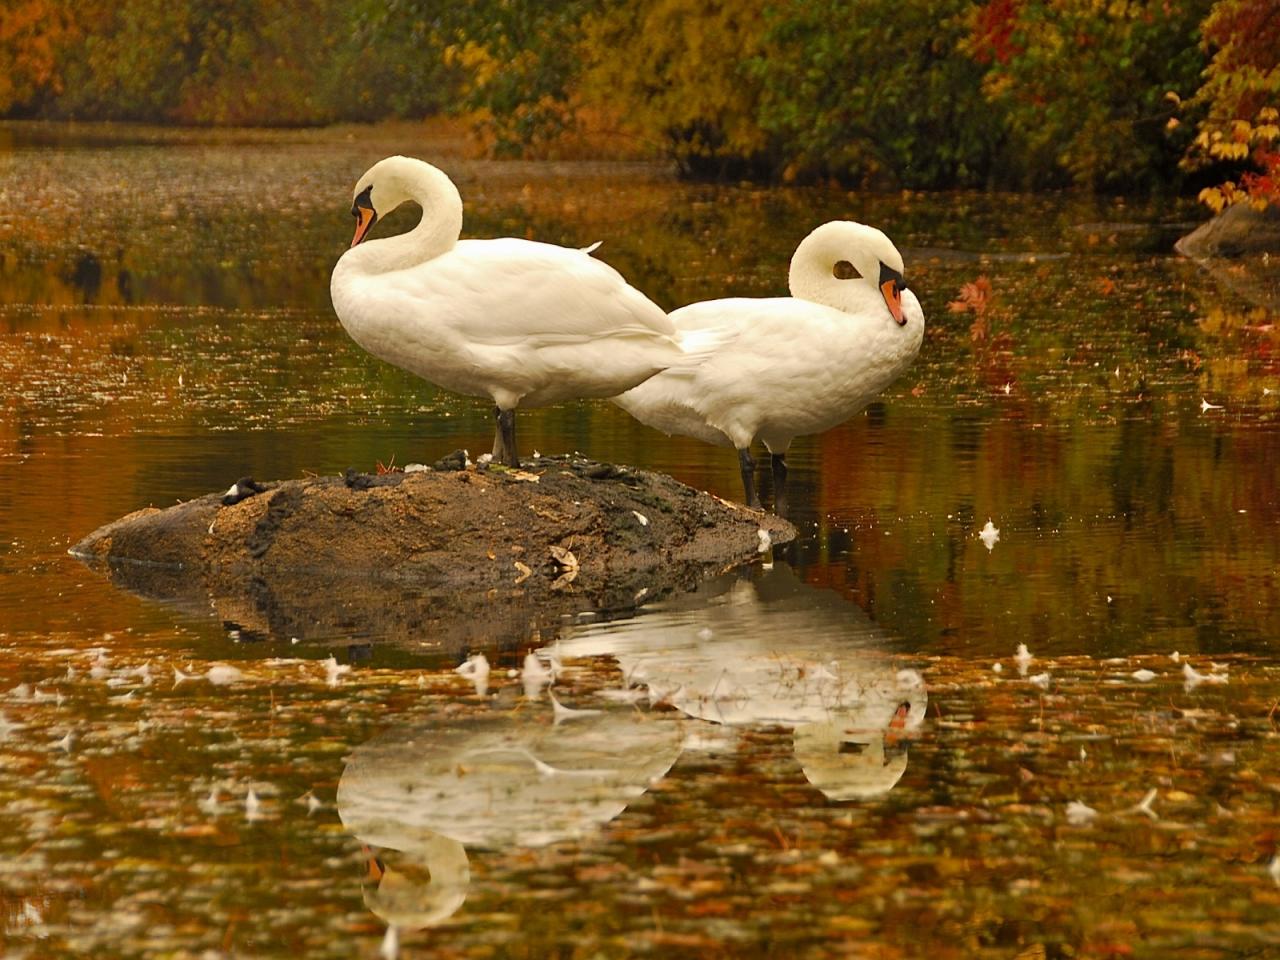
column 436, row 232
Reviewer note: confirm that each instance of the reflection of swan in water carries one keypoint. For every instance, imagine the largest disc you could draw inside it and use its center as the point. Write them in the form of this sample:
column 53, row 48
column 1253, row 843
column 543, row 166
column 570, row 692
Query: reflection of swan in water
column 774, row 650
column 765, row 651
column 417, row 794
column 423, row 886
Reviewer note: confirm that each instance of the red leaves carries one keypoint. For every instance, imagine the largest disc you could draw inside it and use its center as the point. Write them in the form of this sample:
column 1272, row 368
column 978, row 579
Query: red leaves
column 975, row 298
column 992, row 36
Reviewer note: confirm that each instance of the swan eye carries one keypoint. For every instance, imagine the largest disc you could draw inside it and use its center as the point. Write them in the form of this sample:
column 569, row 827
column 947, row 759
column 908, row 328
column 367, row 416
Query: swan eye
column 364, row 199
column 844, row 270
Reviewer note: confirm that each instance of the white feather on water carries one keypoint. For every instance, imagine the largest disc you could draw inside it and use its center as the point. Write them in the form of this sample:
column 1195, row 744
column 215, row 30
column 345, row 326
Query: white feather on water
column 562, row 713
column 1080, row 814
column 334, row 671
column 390, row 949
column 989, row 535
column 476, row 669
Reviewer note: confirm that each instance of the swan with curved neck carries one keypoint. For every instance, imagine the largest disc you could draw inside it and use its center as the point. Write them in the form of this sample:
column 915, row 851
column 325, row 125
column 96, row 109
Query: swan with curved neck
column 520, row 322
column 791, row 366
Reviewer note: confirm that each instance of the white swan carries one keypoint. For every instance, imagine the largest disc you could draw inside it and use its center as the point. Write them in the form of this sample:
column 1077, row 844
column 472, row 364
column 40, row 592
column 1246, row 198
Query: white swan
column 792, row 365
column 524, row 323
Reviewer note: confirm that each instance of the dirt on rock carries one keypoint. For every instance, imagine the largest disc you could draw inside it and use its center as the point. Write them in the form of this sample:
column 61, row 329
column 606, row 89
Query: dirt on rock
column 442, row 559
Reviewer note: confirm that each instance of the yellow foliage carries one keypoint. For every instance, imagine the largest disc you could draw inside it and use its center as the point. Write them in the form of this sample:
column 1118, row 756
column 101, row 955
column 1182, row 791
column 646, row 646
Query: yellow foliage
column 677, row 72
column 1213, row 198
column 475, row 59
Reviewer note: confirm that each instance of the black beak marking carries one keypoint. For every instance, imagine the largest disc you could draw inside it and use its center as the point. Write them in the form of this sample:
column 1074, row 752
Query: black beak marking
column 364, row 199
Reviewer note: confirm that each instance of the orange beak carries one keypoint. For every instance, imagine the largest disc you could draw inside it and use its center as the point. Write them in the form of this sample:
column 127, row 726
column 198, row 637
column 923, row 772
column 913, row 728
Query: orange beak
column 365, row 219
column 899, row 719
column 892, row 292
column 374, row 868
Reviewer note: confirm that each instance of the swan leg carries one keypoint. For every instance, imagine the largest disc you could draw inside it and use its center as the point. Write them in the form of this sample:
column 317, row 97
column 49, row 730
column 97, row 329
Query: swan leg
column 748, row 467
column 499, row 449
column 507, row 428
column 779, row 463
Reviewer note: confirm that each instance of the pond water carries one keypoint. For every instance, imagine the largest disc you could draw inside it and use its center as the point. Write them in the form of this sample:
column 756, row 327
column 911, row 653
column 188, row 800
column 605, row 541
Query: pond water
column 834, row 752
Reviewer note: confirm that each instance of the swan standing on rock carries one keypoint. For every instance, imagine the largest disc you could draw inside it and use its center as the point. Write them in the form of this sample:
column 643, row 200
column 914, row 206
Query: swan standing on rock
column 521, row 322
column 790, row 366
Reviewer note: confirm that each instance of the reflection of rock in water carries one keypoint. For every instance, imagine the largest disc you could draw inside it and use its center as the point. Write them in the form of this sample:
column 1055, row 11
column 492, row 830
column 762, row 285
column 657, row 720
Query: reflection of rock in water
column 775, row 651
column 507, row 780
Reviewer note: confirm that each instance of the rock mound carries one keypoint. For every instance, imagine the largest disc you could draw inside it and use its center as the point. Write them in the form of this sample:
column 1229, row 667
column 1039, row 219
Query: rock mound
column 442, row 559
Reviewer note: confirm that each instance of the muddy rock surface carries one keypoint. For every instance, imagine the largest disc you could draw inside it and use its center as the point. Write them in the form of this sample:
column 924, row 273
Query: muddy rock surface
column 446, row 558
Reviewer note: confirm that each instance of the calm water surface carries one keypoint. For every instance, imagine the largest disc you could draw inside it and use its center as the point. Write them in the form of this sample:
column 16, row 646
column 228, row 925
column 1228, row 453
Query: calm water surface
column 817, row 757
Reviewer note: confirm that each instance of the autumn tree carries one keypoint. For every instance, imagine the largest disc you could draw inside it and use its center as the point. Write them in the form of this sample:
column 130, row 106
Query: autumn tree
column 1241, row 101
column 1083, row 84
column 33, row 37
column 877, row 92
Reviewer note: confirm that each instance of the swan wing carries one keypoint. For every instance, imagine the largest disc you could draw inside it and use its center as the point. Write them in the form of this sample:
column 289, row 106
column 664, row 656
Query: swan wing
column 519, row 292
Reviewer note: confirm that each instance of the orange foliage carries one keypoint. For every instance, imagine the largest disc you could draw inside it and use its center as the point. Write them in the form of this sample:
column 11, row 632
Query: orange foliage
column 32, row 33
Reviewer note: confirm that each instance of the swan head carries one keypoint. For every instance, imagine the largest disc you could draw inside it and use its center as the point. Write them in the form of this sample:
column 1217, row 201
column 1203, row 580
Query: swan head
column 392, row 181
column 849, row 266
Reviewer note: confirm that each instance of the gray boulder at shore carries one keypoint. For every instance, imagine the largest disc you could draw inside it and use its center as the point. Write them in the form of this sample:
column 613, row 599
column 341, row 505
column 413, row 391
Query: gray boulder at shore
column 1239, row 231
column 1240, row 250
